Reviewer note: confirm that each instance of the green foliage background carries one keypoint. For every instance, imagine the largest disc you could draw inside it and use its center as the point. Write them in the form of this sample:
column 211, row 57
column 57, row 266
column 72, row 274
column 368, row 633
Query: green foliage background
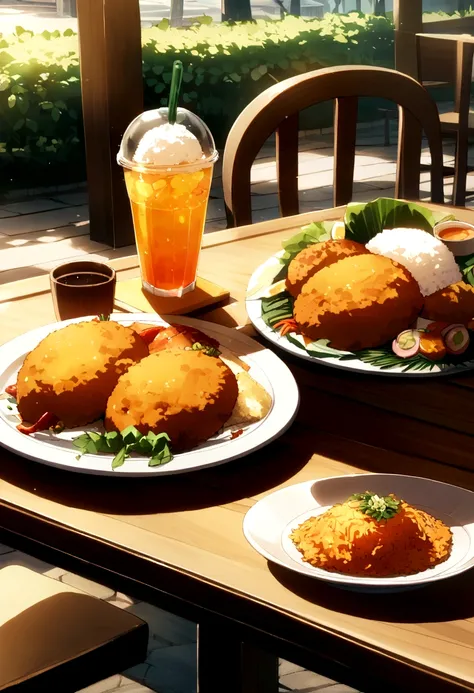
column 226, row 66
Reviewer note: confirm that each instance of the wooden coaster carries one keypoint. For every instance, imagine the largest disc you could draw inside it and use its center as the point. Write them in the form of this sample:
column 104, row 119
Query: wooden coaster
column 131, row 297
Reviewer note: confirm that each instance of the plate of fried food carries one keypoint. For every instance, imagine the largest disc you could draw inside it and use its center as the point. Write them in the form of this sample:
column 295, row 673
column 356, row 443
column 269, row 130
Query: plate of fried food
column 388, row 290
column 367, row 532
column 141, row 395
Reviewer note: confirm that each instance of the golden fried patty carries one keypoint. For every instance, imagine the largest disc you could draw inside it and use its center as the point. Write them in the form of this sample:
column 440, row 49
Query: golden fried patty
column 453, row 304
column 73, row 370
column 359, row 302
column 315, row 257
column 183, row 393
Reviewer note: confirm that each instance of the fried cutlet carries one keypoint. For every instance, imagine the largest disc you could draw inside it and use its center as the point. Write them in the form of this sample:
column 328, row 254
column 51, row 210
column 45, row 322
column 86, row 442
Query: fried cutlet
column 73, row 370
column 315, row 257
column 183, row 393
column 359, row 302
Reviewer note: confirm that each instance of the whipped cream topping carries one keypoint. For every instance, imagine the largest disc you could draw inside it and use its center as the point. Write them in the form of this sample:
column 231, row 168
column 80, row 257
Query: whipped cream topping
column 168, row 145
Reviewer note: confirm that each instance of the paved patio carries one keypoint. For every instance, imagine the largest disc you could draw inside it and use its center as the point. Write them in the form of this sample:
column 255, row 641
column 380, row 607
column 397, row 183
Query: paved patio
column 46, row 228
column 43, row 228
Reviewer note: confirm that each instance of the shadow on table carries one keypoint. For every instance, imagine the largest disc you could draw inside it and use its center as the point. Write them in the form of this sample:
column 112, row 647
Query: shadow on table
column 423, row 605
column 249, row 476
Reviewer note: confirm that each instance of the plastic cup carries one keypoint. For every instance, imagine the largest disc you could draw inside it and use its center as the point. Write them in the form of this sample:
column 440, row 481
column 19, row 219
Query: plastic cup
column 169, row 205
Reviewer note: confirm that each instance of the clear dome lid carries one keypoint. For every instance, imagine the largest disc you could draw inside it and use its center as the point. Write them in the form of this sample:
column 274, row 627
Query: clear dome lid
column 151, row 142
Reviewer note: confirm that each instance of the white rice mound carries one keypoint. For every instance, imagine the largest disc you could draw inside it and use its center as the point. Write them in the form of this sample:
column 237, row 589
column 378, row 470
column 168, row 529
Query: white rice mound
column 429, row 260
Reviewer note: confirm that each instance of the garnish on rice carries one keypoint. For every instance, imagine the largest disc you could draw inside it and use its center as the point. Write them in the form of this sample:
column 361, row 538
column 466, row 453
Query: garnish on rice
column 378, row 507
column 373, row 536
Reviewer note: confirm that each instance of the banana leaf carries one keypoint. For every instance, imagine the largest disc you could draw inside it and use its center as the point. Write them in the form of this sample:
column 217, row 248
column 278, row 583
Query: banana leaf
column 316, row 232
column 363, row 221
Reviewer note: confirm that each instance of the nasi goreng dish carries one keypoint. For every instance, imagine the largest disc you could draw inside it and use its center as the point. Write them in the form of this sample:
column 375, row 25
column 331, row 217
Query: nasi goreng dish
column 366, row 289
column 156, row 389
column 373, row 536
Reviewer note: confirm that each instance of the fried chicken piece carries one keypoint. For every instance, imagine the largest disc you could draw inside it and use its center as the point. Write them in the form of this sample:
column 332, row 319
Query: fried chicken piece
column 454, row 304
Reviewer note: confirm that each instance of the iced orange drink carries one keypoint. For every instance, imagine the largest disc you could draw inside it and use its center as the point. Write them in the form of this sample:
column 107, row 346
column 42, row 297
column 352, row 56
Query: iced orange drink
column 168, row 172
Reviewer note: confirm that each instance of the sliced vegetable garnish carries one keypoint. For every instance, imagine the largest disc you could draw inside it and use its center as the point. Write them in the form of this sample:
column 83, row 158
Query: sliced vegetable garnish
column 286, row 326
column 12, row 391
column 456, row 339
column 407, row 344
column 153, row 445
column 432, row 345
column 47, row 420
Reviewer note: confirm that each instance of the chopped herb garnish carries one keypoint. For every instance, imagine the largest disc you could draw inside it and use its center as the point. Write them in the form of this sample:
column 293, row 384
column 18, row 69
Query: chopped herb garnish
column 208, row 350
column 378, row 507
column 121, row 445
column 9, row 406
column 103, row 318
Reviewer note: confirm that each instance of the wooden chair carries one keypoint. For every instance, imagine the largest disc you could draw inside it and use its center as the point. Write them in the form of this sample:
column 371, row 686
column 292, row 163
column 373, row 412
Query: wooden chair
column 445, row 60
column 277, row 108
column 56, row 638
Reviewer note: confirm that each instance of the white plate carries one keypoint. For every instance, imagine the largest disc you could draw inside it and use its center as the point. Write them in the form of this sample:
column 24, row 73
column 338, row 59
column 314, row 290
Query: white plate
column 58, row 451
column 263, row 278
column 268, row 523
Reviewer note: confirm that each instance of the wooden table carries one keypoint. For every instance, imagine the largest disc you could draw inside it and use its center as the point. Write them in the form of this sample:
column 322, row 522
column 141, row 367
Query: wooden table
column 178, row 541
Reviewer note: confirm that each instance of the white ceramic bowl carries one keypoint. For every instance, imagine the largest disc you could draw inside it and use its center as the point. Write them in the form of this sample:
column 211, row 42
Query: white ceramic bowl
column 458, row 248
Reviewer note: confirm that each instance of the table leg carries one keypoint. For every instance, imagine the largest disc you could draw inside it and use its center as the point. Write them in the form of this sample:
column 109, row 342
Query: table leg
column 227, row 664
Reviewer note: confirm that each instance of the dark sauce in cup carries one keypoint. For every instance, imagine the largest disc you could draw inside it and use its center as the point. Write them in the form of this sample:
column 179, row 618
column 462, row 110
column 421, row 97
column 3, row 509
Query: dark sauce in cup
column 83, row 279
column 82, row 288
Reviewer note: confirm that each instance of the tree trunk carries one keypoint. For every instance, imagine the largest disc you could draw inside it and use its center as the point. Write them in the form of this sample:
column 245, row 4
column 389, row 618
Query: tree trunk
column 379, row 9
column 236, row 11
column 176, row 17
column 295, row 7
column 358, row 5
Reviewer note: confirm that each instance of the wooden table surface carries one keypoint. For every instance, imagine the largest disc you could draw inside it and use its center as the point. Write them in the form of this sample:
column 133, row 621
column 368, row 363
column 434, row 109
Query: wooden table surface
column 183, row 535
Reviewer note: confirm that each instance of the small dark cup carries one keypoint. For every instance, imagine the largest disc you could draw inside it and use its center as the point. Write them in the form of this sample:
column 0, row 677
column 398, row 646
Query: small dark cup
column 82, row 288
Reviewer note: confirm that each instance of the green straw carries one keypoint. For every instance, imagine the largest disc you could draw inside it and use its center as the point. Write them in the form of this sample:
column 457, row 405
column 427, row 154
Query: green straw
column 176, row 79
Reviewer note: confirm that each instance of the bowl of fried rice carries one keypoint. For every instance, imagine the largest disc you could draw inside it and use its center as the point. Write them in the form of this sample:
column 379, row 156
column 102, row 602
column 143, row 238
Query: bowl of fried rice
column 370, row 532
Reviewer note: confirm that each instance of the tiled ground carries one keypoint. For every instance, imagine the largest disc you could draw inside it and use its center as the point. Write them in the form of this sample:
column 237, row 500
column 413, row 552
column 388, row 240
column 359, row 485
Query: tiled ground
column 38, row 232
column 170, row 666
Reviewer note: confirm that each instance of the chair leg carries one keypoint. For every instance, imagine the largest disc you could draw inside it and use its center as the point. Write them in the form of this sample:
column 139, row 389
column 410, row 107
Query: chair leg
column 460, row 171
column 386, row 130
column 227, row 664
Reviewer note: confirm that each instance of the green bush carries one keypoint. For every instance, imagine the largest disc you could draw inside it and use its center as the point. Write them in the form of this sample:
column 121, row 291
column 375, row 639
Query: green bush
column 40, row 109
column 226, row 66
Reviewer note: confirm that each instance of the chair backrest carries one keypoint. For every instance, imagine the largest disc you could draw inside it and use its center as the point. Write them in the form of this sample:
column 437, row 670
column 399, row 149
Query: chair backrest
column 277, row 109
column 448, row 58
column 436, row 59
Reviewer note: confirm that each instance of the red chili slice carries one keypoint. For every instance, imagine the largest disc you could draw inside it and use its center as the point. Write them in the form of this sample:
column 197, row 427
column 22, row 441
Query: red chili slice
column 236, row 434
column 149, row 335
column 11, row 390
column 44, row 422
